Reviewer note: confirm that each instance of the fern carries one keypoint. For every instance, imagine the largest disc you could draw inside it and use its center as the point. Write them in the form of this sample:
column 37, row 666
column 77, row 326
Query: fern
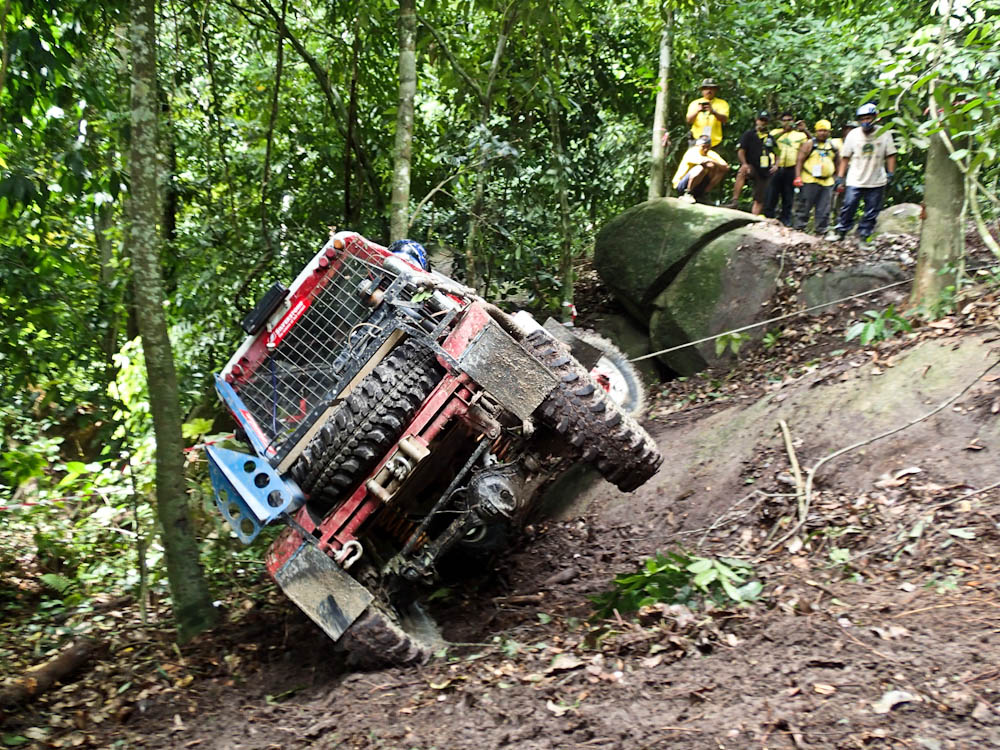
column 60, row 584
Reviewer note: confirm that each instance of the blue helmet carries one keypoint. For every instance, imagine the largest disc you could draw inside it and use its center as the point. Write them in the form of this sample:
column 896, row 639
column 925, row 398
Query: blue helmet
column 410, row 250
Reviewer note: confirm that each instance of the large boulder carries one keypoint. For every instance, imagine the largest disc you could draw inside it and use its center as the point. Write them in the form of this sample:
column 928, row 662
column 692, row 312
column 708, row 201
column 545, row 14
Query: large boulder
column 639, row 252
column 903, row 218
column 726, row 285
column 827, row 287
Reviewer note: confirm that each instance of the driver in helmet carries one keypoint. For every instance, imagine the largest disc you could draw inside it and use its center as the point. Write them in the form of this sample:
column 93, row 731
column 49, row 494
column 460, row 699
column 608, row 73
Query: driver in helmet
column 411, row 251
column 867, row 163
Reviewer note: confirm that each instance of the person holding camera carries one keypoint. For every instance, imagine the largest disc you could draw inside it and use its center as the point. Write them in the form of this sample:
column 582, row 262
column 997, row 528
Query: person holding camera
column 707, row 114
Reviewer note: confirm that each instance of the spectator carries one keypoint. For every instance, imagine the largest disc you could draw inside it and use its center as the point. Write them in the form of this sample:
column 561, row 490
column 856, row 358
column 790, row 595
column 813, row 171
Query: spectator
column 700, row 170
column 757, row 162
column 708, row 114
column 781, row 190
column 867, row 163
column 814, row 171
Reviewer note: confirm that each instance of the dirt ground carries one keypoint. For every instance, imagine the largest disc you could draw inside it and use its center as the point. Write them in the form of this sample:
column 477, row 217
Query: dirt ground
column 877, row 627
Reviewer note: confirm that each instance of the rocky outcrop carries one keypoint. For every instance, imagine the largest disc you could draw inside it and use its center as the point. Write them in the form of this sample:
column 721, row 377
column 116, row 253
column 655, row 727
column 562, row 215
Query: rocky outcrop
column 725, row 285
column 902, row 218
column 827, row 287
column 639, row 252
column 686, row 272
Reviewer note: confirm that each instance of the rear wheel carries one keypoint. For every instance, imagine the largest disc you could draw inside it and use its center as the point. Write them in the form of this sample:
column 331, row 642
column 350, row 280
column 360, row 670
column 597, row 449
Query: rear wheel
column 366, row 425
column 596, row 430
column 616, row 374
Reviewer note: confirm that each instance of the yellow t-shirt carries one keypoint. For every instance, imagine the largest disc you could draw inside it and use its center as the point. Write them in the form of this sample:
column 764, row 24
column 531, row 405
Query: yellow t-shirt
column 692, row 158
column 820, row 165
column 705, row 123
column 787, row 145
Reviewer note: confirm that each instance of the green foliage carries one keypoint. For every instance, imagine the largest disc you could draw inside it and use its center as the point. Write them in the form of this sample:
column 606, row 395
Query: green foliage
column 939, row 81
column 770, row 339
column 680, row 578
column 880, row 326
column 734, row 341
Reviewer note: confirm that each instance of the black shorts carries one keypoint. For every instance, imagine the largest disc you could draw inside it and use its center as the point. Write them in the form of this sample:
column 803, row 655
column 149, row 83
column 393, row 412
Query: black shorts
column 760, row 182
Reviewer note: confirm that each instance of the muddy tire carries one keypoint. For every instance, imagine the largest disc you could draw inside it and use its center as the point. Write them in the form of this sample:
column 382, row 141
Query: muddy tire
column 624, row 386
column 382, row 636
column 366, row 425
column 595, row 430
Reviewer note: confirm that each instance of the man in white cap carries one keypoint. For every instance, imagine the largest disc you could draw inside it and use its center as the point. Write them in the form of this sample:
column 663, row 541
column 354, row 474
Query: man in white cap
column 815, row 168
column 867, row 163
column 700, row 170
column 707, row 114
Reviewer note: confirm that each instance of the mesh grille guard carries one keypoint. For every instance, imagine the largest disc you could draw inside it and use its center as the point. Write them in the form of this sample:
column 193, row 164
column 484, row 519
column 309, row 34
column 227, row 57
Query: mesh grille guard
column 292, row 371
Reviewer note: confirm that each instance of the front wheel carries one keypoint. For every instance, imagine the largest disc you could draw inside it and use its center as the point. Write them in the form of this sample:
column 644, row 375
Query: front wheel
column 595, row 429
column 386, row 636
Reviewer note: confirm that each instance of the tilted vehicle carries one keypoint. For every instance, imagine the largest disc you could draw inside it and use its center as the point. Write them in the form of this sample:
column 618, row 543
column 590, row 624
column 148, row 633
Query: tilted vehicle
column 395, row 417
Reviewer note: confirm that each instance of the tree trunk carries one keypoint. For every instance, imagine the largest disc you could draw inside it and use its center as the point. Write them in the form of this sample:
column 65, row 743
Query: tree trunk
column 942, row 245
column 399, row 218
column 486, row 98
column 192, row 604
column 566, row 227
column 662, row 112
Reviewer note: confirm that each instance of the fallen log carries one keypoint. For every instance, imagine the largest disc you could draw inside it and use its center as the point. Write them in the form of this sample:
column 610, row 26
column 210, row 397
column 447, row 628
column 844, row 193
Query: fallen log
column 40, row 678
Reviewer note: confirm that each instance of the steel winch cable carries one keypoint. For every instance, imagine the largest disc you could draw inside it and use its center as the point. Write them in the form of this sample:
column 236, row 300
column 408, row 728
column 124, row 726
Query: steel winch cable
column 792, row 314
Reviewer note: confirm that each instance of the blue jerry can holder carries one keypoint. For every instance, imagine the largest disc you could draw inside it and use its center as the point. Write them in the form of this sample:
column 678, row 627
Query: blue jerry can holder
column 248, row 491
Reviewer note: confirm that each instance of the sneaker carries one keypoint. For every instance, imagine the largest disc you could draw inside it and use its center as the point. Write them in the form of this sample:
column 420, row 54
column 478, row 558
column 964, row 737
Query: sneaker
column 833, row 236
column 686, row 198
column 731, row 204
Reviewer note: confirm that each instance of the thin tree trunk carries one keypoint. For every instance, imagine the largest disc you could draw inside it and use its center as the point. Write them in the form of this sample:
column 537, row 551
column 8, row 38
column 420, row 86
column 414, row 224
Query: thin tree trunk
column 265, row 230
column 662, row 112
column 942, row 242
column 566, row 227
column 350, row 214
column 215, row 117
column 336, row 103
column 471, row 240
column 192, row 604
column 403, row 149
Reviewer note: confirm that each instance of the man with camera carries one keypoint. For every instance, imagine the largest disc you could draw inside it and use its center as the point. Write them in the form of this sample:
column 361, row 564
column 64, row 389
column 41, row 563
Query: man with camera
column 707, row 114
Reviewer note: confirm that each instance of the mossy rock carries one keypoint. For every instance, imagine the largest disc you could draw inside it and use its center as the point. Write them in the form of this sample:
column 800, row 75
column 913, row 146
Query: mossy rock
column 827, row 287
column 903, row 218
column 725, row 286
column 639, row 252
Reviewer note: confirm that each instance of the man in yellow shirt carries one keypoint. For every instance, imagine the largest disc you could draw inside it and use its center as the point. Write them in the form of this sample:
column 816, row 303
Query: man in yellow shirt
column 700, row 170
column 815, row 168
column 787, row 140
column 707, row 114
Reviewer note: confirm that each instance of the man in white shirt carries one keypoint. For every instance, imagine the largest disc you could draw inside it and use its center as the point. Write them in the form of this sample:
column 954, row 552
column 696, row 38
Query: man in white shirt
column 867, row 163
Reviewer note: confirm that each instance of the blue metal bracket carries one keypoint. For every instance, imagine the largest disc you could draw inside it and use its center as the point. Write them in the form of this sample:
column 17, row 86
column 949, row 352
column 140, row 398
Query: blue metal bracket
column 254, row 434
column 248, row 492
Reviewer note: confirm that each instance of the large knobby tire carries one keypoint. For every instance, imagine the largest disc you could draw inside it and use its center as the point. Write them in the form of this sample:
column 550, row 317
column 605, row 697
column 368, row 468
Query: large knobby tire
column 595, row 429
column 366, row 425
column 382, row 636
column 624, row 384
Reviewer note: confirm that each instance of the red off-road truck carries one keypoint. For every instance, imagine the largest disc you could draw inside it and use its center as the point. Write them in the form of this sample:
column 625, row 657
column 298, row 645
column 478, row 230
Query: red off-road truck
column 393, row 417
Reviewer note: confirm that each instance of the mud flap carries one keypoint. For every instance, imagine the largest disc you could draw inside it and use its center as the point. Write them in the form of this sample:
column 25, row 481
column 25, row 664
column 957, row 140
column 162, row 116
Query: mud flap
column 323, row 590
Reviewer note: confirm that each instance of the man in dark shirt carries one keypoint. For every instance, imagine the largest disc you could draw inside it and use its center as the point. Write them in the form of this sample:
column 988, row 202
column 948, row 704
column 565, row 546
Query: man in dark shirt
column 757, row 163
